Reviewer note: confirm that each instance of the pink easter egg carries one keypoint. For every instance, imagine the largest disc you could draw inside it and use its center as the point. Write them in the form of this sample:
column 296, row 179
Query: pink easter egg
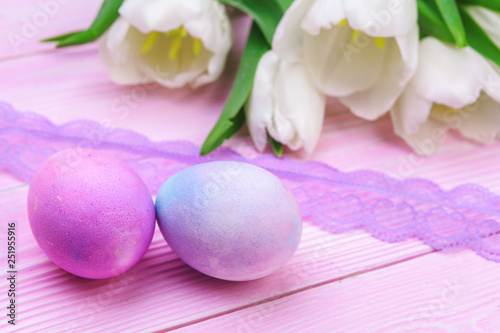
column 230, row 220
column 90, row 213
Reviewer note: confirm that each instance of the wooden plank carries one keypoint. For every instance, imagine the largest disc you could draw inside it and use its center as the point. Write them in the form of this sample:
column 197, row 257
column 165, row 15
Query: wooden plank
column 22, row 26
column 8, row 181
column 161, row 292
column 438, row 292
column 322, row 285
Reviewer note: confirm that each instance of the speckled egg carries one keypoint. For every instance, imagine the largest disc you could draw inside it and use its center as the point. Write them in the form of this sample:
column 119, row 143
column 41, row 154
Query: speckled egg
column 230, row 220
column 91, row 213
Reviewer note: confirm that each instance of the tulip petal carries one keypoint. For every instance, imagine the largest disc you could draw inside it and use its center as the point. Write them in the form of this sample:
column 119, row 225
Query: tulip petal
column 322, row 15
column 339, row 66
column 426, row 140
column 411, row 111
column 119, row 57
column 479, row 121
column 203, row 27
column 382, row 18
column 117, row 33
column 300, row 105
column 399, row 65
column 160, row 15
column 451, row 76
column 287, row 40
column 260, row 104
column 216, row 38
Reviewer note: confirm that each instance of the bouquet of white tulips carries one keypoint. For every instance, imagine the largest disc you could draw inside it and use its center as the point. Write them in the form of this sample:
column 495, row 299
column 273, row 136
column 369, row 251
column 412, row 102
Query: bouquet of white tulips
column 433, row 65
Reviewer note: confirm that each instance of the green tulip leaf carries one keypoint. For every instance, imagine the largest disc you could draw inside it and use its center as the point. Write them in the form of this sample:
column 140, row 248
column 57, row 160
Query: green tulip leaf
column 266, row 13
column 451, row 15
column 108, row 13
column 431, row 22
column 284, row 4
column 479, row 39
column 59, row 38
column 233, row 115
column 276, row 146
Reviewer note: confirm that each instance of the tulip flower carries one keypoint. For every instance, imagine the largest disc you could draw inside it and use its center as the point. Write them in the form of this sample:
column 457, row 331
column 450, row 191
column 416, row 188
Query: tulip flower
column 284, row 103
column 172, row 42
column 452, row 89
column 363, row 52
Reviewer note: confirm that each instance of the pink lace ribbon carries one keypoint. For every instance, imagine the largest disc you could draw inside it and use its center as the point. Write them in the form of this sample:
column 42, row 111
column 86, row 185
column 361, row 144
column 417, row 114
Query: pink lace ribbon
column 389, row 209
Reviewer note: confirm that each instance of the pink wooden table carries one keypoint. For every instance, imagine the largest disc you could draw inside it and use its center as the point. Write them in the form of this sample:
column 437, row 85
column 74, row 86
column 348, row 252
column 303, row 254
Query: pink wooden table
column 335, row 283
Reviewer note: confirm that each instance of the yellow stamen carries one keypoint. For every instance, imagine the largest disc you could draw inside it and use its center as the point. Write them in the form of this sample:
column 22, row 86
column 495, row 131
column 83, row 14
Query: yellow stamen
column 177, row 36
column 355, row 35
column 380, row 42
column 176, row 45
column 183, row 31
column 196, row 46
column 342, row 23
column 179, row 31
column 148, row 43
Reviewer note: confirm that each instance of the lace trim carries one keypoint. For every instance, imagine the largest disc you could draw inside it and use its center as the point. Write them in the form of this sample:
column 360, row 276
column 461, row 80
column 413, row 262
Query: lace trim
column 389, row 209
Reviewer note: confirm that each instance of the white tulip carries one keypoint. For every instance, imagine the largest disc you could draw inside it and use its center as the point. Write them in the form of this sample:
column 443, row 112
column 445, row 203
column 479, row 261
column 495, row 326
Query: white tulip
column 452, row 88
column 172, row 42
column 284, row 103
column 363, row 52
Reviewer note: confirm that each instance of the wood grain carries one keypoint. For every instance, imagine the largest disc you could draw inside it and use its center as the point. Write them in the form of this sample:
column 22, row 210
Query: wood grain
column 335, row 283
column 162, row 292
column 24, row 25
column 438, row 293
